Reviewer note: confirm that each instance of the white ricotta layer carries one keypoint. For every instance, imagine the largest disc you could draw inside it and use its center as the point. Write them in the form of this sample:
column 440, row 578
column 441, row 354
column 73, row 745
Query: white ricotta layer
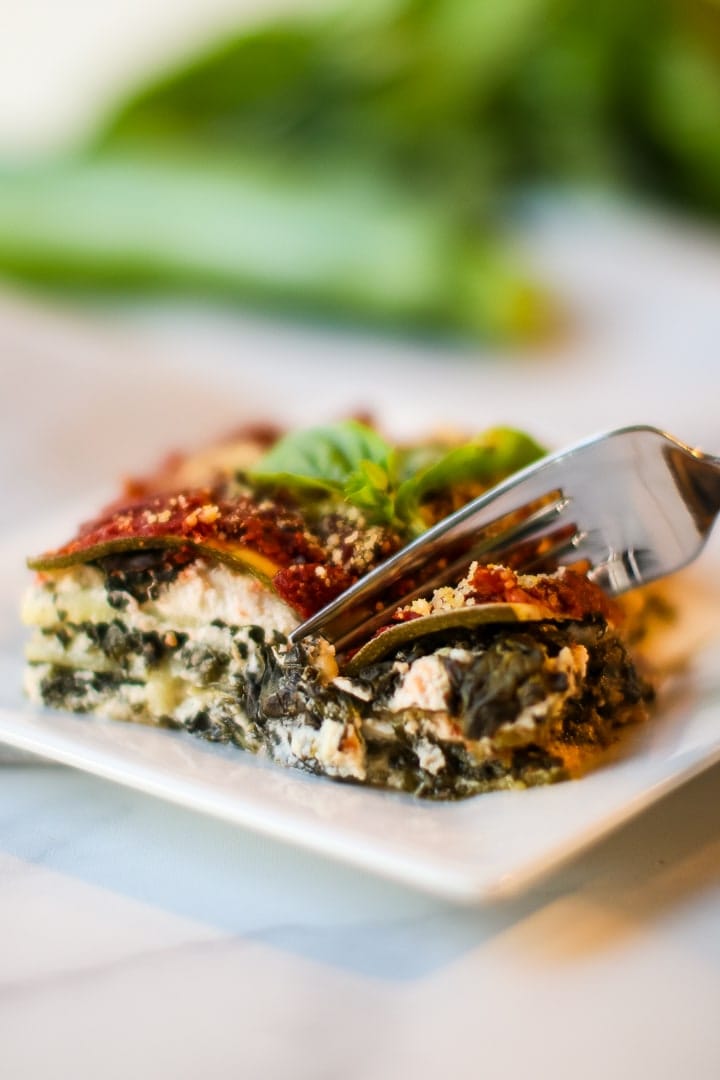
column 426, row 686
column 205, row 591
column 201, row 592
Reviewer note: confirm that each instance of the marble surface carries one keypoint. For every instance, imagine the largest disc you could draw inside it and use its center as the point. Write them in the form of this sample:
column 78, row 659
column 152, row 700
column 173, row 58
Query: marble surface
column 140, row 939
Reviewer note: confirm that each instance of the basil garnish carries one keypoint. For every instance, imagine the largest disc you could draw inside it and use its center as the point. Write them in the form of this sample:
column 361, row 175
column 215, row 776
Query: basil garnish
column 351, row 460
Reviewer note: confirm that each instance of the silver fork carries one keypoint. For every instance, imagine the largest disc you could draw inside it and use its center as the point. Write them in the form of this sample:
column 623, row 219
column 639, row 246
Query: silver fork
column 632, row 505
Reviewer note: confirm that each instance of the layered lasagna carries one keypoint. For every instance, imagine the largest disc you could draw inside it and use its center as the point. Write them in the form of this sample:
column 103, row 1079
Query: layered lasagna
column 173, row 607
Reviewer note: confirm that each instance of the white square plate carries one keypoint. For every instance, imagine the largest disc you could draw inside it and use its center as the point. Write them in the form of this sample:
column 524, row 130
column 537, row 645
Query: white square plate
column 481, row 849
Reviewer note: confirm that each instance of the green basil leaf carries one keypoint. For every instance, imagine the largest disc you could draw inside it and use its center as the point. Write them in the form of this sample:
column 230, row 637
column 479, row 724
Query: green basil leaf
column 351, row 460
column 487, row 459
column 370, row 488
column 327, row 458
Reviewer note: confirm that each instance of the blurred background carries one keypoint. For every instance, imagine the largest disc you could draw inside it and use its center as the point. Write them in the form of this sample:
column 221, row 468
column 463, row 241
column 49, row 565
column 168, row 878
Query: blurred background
column 438, row 210
column 363, row 162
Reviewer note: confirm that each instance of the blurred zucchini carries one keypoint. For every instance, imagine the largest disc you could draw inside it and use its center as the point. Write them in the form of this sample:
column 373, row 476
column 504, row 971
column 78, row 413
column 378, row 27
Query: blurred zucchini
column 275, row 233
column 357, row 164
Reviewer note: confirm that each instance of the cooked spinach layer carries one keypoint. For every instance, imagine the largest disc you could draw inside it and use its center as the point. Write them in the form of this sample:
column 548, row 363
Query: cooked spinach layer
column 140, row 574
column 495, row 674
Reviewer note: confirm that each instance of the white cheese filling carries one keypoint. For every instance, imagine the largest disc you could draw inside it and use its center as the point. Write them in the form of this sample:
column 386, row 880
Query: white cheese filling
column 201, row 592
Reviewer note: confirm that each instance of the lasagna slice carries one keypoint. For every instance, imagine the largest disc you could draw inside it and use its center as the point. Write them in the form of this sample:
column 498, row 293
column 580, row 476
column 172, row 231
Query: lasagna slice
column 174, row 606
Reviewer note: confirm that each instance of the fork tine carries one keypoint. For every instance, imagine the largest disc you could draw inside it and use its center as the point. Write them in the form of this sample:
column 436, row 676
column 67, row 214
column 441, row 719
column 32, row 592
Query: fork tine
column 359, row 603
column 549, row 558
column 527, row 529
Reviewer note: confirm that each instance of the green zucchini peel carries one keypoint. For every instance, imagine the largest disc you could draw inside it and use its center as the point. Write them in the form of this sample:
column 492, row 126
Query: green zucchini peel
column 465, row 617
column 241, row 559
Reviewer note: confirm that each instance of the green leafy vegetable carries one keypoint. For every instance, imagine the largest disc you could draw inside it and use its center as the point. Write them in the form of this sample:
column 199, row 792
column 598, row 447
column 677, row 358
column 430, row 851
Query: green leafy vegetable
column 323, row 457
column 370, row 488
column 486, row 460
column 348, row 458
column 351, row 460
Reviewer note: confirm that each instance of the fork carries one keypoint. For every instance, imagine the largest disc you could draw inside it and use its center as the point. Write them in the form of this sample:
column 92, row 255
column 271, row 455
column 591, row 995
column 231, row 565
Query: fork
column 631, row 505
